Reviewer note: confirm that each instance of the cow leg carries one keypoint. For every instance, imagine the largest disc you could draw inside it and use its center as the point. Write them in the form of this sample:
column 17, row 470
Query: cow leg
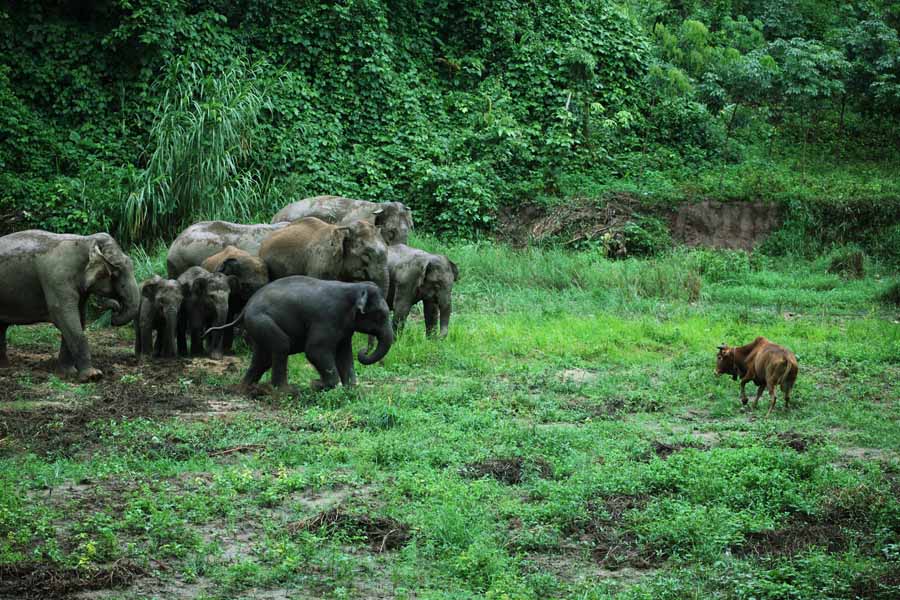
column 787, row 395
column 772, row 397
column 759, row 391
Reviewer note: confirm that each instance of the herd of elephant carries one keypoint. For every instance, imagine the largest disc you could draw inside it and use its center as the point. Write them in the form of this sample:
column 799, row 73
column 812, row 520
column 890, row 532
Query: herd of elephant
column 323, row 269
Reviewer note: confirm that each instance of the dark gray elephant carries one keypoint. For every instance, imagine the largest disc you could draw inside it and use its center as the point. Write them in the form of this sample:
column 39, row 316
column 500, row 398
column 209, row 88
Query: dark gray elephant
column 205, row 305
column 248, row 271
column 202, row 240
column 393, row 219
column 418, row 276
column 317, row 249
column 48, row 277
column 301, row 314
column 160, row 306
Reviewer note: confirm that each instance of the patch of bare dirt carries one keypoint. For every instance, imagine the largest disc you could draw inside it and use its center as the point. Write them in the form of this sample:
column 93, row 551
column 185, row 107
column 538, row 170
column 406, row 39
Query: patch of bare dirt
column 797, row 441
column 576, row 221
column 731, row 225
column 506, row 470
column 381, row 533
column 578, row 376
column 614, row 546
column 41, row 413
column 46, row 580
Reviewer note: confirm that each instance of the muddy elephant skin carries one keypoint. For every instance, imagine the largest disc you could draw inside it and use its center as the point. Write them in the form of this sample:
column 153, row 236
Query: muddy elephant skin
column 48, row 277
column 418, row 276
column 318, row 318
column 393, row 219
column 317, row 249
column 248, row 271
column 160, row 305
column 202, row 240
column 205, row 305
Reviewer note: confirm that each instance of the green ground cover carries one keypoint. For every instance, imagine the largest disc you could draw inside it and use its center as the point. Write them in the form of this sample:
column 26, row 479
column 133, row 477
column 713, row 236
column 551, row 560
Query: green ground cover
column 567, row 440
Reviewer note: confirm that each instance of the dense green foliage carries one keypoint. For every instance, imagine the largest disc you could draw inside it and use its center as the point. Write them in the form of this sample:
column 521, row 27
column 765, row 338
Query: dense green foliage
column 137, row 116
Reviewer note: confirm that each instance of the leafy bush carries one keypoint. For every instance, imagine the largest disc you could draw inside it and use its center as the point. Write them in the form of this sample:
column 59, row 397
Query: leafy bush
column 647, row 236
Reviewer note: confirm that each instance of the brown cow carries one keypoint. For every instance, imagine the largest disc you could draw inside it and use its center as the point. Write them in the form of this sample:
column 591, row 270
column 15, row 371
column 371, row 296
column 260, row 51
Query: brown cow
column 762, row 362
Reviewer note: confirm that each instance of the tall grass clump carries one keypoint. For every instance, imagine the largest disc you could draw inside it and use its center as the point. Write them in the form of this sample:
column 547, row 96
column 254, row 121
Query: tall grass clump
column 673, row 276
column 200, row 140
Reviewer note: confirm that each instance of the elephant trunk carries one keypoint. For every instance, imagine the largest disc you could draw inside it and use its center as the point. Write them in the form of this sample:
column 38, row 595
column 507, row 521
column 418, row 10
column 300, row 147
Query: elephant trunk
column 383, row 280
column 129, row 300
column 215, row 350
column 385, row 340
column 169, row 344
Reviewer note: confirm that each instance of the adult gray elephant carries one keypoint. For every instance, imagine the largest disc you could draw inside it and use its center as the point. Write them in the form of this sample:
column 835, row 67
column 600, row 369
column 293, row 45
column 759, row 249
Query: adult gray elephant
column 302, row 314
column 202, row 240
column 159, row 310
column 419, row 276
column 393, row 219
column 318, row 249
column 48, row 278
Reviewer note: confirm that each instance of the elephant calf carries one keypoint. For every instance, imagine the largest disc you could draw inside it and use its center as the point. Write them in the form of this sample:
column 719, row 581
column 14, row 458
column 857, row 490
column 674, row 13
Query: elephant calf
column 318, row 318
column 160, row 304
column 418, row 276
column 205, row 305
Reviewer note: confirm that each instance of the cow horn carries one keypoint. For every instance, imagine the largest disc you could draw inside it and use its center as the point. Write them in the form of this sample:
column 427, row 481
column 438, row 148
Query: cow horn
column 722, row 346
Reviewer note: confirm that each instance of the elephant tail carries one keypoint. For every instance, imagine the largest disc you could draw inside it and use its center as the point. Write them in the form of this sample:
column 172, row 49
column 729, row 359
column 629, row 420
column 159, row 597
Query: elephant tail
column 237, row 321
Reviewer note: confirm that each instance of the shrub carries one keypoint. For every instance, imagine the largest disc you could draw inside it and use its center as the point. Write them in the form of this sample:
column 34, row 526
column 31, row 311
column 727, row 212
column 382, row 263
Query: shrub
column 847, row 262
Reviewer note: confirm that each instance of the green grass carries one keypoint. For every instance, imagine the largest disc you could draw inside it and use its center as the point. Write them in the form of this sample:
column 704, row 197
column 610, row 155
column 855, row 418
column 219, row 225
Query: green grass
column 580, row 368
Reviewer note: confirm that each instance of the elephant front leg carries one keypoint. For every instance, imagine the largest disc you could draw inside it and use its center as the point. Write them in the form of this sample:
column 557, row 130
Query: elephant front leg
column 345, row 362
column 4, row 359
column 431, row 317
column 74, row 350
column 323, row 359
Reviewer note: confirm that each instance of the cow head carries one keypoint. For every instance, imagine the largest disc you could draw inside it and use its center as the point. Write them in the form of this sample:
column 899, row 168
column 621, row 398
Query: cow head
column 725, row 364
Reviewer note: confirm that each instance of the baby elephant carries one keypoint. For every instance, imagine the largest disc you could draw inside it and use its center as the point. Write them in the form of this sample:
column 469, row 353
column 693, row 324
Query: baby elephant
column 416, row 275
column 158, row 312
column 766, row 364
column 302, row 314
column 205, row 305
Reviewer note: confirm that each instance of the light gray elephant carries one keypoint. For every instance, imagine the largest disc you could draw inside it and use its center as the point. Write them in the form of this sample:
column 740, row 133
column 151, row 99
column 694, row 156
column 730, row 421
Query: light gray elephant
column 48, row 278
column 205, row 305
column 318, row 249
column 393, row 219
column 418, row 276
column 160, row 305
column 202, row 240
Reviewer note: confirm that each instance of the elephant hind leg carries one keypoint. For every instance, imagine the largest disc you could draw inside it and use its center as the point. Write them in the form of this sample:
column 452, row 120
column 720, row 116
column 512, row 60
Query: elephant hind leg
column 259, row 364
column 4, row 359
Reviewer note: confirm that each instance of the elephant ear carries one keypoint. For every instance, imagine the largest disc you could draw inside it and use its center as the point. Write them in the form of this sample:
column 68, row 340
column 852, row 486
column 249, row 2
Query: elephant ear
column 199, row 287
column 98, row 267
column 360, row 305
column 150, row 287
column 455, row 270
column 230, row 267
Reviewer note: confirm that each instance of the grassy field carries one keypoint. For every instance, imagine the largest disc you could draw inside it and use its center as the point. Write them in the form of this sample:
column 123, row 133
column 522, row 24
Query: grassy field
column 567, row 440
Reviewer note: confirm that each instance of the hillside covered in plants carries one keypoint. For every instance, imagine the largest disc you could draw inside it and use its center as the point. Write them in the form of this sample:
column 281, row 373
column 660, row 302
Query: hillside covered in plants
column 138, row 117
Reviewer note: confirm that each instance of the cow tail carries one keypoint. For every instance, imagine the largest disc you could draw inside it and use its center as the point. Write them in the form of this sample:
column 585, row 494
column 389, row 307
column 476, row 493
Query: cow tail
column 784, row 369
